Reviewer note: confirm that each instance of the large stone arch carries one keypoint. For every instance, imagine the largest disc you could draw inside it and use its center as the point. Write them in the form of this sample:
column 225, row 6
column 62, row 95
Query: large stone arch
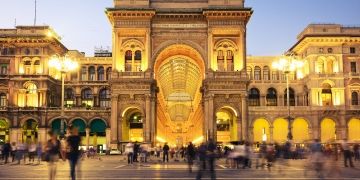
column 169, row 45
column 99, row 118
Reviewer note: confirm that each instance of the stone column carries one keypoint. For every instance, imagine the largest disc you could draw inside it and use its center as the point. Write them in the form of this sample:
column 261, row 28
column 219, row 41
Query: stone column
column 262, row 100
column 42, row 136
column 271, row 133
column 147, row 127
column 153, row 119
column 87, row 131
column 244, row 118
column 240, row 128
column 206, row 118
column 212, row 126
column 108, row 138
column 14, row 135
column 114, row 120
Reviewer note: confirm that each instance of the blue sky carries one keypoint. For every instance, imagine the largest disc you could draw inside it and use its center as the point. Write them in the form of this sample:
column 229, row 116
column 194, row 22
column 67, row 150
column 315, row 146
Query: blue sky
column 271, row 31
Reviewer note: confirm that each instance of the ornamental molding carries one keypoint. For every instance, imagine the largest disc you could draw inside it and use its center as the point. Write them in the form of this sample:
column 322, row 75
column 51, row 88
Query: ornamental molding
column 132, row 23
column 167, row 26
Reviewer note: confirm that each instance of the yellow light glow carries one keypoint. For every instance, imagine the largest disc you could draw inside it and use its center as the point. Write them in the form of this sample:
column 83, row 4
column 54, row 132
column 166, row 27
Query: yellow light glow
column 49, row 34
column 285, row 64
column 198, row 140
column 63, row 64
column 160, row 139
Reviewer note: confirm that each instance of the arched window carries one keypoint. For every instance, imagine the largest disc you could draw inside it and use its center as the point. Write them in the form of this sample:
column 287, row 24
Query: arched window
column 137, row 61
column 101, row 73
column 326, row 95
column 108, row 73
column 31, row 95
column 220, row 60
column 291, row 97
column 266, row 73
column 87, row 97
column 37, row 65
column 320, row 66
column 3, row 100
column 275, row 75
column 329, row 66
column 91, row 73
column 249, row 72
column 229, row 60
column 83, row 73
column 271, row 97
column 27, row 67
column 69, row 97
column 254, row 97
column 104, row 97
column 354, row 98
column 257, row 73
column 128, row 60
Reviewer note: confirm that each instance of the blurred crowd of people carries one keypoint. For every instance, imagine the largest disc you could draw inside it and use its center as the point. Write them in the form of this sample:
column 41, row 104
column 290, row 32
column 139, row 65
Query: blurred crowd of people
column 236, row 155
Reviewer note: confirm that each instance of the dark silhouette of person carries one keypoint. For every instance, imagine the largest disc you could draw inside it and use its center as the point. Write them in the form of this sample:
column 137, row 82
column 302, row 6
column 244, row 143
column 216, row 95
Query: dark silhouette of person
column 73, row 142
column 166, row 149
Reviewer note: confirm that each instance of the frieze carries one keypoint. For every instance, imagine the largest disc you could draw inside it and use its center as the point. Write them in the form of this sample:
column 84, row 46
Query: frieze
column 187, row 26
column 132, row 23
column 229, row 22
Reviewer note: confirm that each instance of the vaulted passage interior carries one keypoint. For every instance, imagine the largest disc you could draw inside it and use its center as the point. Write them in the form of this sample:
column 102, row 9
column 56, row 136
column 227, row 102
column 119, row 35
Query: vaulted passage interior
column 179, row 74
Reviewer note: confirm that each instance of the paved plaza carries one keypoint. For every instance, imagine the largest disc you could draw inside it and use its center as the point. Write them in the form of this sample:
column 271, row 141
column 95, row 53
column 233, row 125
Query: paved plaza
column 115, row 167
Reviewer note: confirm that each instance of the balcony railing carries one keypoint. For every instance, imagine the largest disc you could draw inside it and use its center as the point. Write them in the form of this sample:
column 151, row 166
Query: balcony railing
column 127, row 75
column 236, row 74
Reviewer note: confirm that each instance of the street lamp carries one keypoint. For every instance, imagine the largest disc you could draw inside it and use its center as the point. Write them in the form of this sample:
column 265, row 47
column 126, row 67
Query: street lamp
column 63, row 64
column 288, row 65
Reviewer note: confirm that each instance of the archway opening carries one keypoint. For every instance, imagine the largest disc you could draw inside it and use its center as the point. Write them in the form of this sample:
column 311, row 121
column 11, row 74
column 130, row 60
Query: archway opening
column 300, row 130
column 133, row 125
column 80, row 124
column 328, row 130
column 354, row 130
column 56, row 126
column 280, row 130
column 179, row 71
column 30, row 131
column 261, row 131
column 226, row 126
column 4, row 131
column 98, row 135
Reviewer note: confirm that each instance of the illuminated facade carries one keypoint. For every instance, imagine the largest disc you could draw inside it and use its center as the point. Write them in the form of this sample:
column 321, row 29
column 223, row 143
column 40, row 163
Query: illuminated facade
column 179, row 72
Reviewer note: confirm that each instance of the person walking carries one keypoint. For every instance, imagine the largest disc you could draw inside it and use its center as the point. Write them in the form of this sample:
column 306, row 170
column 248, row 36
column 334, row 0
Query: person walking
column 211, row 155
column 136, row 151
column 39, row 151
column 166, row 149
column 356, row 152
column 32, row 152
column 129, row 151
column 73, row 143
column 202, row 160
column 13, row 151
column 6, row 151
column 190, row 152
column 347, row 154
column 52, row 154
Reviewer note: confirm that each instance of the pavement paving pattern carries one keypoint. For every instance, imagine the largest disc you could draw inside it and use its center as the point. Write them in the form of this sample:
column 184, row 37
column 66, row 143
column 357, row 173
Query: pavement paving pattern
column 116, row 168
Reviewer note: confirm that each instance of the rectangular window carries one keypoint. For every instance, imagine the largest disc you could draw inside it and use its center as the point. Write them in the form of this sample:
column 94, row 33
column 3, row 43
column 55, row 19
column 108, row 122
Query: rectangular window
column 3, row 69
column 353, row 67
column 352, row 50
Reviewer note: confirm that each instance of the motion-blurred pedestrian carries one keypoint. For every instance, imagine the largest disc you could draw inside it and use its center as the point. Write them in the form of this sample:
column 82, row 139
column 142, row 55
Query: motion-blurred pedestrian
column 73, row 142
column 52, row 154
column 190, row 152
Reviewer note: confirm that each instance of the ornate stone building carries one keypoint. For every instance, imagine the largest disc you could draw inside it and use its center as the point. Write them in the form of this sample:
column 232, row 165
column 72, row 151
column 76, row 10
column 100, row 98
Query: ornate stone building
column 178, row 72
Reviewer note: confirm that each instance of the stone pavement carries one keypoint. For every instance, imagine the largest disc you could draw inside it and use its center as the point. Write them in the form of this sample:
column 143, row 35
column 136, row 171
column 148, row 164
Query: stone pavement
column 116, row 167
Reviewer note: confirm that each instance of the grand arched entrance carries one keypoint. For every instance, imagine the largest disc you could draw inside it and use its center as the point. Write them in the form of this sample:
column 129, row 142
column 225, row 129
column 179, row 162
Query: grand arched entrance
column 4, row 131
column 179, row 71
column 132, row 125
column 226, row 126
column 30, row 131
